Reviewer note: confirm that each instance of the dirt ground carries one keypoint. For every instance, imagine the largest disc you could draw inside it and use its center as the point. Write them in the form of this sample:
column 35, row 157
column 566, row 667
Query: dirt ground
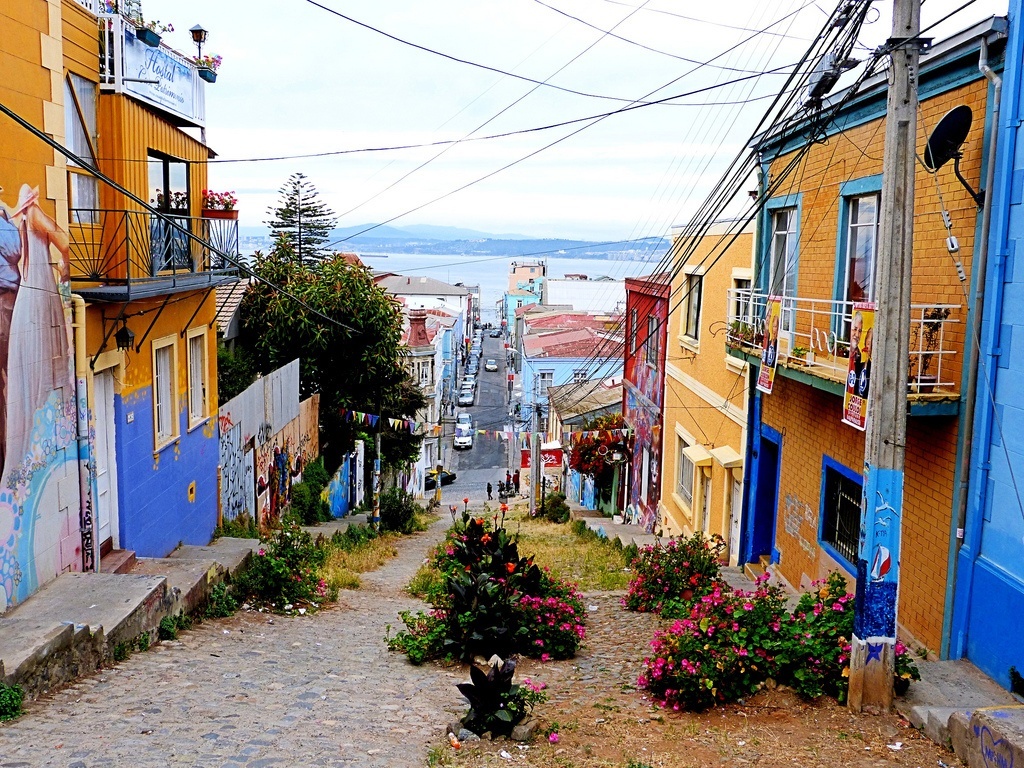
column 602, row 720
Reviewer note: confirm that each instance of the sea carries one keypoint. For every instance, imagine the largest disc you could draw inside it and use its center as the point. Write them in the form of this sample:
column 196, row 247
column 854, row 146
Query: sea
column 491, row 272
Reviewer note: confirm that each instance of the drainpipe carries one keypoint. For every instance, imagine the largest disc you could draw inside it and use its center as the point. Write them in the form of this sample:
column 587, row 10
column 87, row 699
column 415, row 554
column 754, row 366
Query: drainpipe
column 87, row 514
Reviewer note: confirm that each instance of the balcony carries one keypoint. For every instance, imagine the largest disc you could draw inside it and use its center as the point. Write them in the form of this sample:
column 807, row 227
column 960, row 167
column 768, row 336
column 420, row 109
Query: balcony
column 160, row 77
column 814, row 345
column 127, row 255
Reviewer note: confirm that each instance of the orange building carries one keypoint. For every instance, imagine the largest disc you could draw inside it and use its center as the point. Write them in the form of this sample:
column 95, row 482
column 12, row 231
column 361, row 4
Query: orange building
column 124, row 361
column 813, row 277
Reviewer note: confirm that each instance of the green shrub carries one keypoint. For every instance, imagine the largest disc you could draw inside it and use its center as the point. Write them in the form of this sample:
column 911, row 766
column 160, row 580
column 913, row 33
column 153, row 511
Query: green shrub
column 398, row 511
column 555, row 508
column 353, row 537
column 220, row 604
column 307, row 506
column 11, row 699
column 241, row 527
column 496, row 704
column 285, row 570
column 316, row 476
column 674, row 574
column 423, row 637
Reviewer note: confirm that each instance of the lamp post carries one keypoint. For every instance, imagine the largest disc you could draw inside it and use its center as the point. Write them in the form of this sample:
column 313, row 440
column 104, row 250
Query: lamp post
column 198, row 37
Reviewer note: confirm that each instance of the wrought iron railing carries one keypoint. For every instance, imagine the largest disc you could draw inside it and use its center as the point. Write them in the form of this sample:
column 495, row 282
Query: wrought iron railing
column 160, row 76
column 124, row 246
column 815, row 337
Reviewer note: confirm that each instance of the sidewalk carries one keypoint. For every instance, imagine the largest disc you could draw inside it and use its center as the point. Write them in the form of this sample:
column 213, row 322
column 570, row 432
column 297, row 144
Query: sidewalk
column 72, row 626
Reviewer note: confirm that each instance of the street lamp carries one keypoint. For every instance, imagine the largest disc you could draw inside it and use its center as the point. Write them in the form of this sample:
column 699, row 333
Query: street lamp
column 198, row 37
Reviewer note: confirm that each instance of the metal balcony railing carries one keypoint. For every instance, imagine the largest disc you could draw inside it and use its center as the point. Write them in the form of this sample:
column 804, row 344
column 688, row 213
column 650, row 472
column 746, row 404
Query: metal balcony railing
column 160, row 76
column 124, row 247
column 815, row 336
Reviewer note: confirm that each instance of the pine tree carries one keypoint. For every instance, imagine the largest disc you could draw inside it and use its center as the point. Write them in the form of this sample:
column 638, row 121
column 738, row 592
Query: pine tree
column 302, row 218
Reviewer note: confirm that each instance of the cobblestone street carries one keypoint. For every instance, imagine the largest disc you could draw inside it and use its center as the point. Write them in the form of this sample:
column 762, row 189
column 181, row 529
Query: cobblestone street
column 256, row 690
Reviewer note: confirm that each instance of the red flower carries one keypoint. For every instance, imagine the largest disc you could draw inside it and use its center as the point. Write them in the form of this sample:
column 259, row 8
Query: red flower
column 510, row 567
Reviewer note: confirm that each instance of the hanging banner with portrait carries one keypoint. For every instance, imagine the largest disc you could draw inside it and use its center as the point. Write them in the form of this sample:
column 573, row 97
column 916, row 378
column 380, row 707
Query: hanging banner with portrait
column 858, row 375
column 770, row 346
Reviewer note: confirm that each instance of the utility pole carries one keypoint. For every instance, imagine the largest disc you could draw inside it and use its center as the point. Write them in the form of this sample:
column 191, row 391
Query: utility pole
column 874, row 633
column 535, row 468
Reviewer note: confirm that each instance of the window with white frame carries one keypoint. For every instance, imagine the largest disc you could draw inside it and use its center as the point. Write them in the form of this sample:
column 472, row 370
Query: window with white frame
column 693, row 298
column 861, row 247
column 740, row 310
column 684, row 473
column 545, row 380
column 198, row 376
column 651, row 343
column 80, row 119
column 165, row 390
column 633, row 320
column 783, row 274
column 579, row 375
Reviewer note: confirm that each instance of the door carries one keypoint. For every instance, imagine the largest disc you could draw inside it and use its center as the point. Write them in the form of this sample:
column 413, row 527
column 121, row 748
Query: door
column 766, row 494
column 735, row 516
column 106, row 461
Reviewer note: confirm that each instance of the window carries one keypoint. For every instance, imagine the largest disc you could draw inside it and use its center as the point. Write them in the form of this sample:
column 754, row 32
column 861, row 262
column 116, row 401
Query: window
column 165, row 391
column 782, row 277
column 168, row 192
column 861, row 247
column 691, row 319
column 740, row 310
column 579, row 375
column 547, row 378
column 645, row 475
column 684, row 473
column 651, row 343
column 840, row 518
column 633, row 320
column 80, row 122
column 197, row 376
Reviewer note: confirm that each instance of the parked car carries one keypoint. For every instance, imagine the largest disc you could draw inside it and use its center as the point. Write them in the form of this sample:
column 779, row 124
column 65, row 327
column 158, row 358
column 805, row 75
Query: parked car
column 491, row 364
column 463, row 437
column 467, row 397
column 495, row 334
column 464, row 419
column 469, row 381
column 430, row 481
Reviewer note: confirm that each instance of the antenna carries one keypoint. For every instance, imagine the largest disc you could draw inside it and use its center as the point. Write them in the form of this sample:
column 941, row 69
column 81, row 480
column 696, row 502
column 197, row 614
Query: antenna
column 944, row 145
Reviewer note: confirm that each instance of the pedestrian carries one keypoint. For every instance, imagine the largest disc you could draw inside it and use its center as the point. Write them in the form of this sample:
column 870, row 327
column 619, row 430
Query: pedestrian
column 508, row 478
column 489, row 490
column 515, row 482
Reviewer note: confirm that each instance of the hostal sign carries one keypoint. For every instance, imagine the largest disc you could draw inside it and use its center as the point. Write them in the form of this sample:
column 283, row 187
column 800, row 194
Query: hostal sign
column 168, row 81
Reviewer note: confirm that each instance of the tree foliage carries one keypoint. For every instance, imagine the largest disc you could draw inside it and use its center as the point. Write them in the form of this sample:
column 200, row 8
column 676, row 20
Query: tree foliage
column 302, row 219
column 587, row 455
column 354, row 362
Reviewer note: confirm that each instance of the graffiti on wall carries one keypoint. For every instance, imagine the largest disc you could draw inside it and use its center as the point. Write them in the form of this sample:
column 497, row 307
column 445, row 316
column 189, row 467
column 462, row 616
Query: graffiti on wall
column 645, row 421
column 40, row 531
column 232, row 470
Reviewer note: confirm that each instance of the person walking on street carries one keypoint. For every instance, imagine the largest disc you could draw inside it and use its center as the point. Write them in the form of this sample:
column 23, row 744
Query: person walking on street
column 489, row 490
column 515, row 481
column 508, row 477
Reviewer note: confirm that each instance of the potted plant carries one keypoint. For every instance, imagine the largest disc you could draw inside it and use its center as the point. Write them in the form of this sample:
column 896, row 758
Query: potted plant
column 149, row 32
column 800, row 355
column 208, row 66
column 928, row 338
column 219, row 205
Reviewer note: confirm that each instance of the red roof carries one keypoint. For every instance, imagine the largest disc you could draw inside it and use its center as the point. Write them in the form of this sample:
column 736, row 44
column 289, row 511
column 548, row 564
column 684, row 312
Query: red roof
column 565, row 321
column 581, row 342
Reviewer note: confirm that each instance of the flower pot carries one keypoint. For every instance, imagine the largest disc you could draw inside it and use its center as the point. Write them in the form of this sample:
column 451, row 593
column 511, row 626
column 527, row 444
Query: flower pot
column 148, row 36
column 207, row 74
column 213, row 213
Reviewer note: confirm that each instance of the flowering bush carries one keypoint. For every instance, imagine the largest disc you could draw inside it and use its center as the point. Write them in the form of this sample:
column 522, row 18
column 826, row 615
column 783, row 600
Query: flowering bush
column 554, row 624
column 673, row 575
column 905, row 668
column 208, row 62
column 723, row 651
column 219, row 201
column 285, row 571
column 816, row 656
column 156, row 26
column 496, row 704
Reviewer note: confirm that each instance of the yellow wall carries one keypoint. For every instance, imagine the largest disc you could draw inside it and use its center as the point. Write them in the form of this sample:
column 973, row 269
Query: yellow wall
column 705, row 389
column 809, row 419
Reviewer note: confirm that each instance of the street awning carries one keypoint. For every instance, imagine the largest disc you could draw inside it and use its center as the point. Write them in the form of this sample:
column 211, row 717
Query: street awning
column 698, row 455
column 727, row 456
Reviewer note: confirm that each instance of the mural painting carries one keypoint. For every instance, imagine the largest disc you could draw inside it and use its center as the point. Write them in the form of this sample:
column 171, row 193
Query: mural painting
column 232, row 470
column 40, row 528
column 645, row 420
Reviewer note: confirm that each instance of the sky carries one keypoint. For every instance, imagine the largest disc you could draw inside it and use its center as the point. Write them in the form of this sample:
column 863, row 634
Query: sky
column 297, row 79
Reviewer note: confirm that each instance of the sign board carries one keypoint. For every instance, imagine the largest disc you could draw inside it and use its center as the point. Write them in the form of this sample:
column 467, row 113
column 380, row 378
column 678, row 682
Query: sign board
column 858, row 375
column 551, row 458
column 770, row 348
column 157, row 76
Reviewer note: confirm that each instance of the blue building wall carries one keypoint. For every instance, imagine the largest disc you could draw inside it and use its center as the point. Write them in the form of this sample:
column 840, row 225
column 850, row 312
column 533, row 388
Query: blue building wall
column 155, row 511
column 563, row 369
column 987, row 622
column 512, row 303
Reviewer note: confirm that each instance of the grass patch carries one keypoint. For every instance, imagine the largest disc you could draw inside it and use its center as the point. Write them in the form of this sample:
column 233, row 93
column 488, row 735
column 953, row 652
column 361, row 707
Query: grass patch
column 592, row 563
column 357, row 555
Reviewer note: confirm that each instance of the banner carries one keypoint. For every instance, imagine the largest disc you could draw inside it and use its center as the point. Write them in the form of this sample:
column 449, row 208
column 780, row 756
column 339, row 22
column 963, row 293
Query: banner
column 551, row 458
column 770, row 348
column 858, row 375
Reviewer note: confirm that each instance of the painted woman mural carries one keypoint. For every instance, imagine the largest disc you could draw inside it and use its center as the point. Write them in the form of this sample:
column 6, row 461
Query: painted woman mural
column 39, row 536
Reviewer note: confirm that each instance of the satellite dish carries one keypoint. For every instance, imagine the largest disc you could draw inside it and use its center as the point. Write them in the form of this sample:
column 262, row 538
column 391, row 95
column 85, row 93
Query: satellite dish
column 947, row 137
column 945, row 142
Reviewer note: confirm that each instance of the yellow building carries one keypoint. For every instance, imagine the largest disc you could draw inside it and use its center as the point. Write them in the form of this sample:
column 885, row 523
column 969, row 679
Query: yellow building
column 705, row 391
column 128, row 389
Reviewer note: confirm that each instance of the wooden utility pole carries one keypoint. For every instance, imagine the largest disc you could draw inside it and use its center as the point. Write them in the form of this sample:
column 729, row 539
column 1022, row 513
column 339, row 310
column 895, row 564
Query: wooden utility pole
column 872, row 654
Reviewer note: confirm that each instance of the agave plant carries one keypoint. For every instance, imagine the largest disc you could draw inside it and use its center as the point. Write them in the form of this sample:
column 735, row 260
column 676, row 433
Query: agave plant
column 496, row 704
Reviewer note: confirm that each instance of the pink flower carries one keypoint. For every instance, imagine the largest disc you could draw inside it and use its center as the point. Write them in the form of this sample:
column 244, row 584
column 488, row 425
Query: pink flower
column 553, row 738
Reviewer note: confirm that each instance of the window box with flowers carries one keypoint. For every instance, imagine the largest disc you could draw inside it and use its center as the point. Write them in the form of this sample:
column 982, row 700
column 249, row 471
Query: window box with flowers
column 219, row 205
column 208, row 66
column 149, row 32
